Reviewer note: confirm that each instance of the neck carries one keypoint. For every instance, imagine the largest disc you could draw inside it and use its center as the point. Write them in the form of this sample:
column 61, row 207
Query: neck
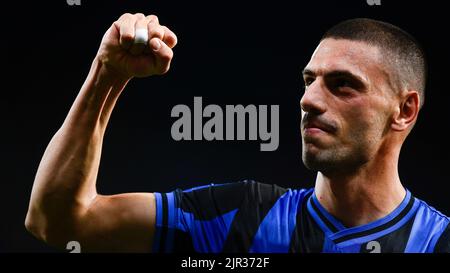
column 365, row 195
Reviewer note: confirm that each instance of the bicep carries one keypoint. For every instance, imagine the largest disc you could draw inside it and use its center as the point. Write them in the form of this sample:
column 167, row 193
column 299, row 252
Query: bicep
column 123, row 223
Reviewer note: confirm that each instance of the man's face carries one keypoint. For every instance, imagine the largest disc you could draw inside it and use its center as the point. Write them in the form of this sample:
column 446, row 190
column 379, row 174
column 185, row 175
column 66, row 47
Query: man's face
column 346, row 107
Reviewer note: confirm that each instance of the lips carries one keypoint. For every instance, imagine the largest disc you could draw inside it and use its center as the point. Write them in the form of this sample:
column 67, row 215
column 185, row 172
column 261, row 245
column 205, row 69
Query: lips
column 316, row 126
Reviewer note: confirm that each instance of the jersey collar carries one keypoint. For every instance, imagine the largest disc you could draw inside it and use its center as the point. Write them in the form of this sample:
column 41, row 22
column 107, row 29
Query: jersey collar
column 341, row 235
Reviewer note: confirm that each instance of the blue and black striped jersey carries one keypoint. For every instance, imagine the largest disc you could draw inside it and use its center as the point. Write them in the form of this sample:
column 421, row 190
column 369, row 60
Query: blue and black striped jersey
column 252, row 217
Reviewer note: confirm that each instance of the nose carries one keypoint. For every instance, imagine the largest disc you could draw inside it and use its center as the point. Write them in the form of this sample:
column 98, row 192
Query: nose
column 313, row 98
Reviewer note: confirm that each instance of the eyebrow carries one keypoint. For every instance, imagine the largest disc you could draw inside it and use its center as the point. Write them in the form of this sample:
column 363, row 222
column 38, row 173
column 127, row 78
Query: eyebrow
column 336, row 74
column 308, row 72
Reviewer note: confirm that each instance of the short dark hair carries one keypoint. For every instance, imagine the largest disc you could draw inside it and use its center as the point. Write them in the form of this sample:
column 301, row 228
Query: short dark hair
column 403, row 52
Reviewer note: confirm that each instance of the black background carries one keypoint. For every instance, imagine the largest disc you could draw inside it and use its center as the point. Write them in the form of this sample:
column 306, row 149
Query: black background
column 228, row 53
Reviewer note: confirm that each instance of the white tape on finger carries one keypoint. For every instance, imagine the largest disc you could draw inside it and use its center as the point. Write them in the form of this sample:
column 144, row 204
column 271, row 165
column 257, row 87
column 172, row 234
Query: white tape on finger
column 141, row 36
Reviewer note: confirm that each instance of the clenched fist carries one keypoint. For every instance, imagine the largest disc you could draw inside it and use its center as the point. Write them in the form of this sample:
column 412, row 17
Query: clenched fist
column 145, row 54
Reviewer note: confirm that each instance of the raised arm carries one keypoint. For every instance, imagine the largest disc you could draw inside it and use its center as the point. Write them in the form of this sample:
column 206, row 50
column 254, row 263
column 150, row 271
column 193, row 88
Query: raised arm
column 64, row 204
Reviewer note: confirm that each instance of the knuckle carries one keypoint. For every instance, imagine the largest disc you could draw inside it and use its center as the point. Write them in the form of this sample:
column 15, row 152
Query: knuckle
column 156, row 32
column 160, row 30
column 119, row 23
column 170, row 35
column 173, row 40
column 139, row 15
column 126, row 15
column 167, row 56
column 159, row 33
column 153, row 18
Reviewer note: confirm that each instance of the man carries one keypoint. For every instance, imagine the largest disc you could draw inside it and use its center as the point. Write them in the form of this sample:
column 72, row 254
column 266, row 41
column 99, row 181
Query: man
column 364, row 87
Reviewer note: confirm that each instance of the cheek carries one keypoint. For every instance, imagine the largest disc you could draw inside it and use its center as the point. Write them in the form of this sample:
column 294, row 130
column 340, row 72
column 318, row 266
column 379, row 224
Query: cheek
column 359, row 121
column 355, row 114
column 365, row 119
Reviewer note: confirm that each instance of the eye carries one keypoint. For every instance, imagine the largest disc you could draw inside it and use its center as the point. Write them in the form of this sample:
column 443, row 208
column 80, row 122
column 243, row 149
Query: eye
column 308, row 81
column 342, row 83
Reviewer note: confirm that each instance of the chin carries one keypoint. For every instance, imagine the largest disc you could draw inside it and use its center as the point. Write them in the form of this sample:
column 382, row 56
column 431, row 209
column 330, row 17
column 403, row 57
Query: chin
column 319, row 161
column 312, row 162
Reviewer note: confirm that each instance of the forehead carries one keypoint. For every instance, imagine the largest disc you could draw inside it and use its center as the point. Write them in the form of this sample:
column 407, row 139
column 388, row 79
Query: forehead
column 338, row 54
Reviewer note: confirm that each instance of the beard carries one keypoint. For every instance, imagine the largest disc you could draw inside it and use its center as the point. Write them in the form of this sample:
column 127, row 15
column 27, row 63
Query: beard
column 344, row 150
column 339, row 157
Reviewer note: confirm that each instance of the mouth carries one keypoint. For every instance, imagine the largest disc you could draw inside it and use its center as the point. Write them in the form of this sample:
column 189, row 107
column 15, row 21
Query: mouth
column 314, row 127
column 313, row 131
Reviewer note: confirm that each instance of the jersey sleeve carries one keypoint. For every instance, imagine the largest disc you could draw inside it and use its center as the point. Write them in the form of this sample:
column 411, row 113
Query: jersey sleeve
column 443, row 244
column 213, row 218
column 197, row 219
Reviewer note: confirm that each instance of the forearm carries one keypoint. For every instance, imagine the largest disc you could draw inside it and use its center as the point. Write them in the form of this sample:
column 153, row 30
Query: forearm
column 65, row 183
column 64, row 203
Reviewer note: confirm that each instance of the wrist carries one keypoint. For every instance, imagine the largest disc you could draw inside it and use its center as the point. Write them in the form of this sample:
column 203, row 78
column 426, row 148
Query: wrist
column 107, row 74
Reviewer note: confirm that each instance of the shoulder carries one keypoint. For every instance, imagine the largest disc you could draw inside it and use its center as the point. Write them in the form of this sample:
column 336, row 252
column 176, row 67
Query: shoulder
column 248, row 196
column 245, row 189
column 434, row 224
column 266, row 188
column 431, row 214
column 264, row 191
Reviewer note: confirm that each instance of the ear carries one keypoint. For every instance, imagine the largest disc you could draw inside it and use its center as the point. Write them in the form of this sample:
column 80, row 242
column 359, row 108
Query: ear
column 407, row 111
